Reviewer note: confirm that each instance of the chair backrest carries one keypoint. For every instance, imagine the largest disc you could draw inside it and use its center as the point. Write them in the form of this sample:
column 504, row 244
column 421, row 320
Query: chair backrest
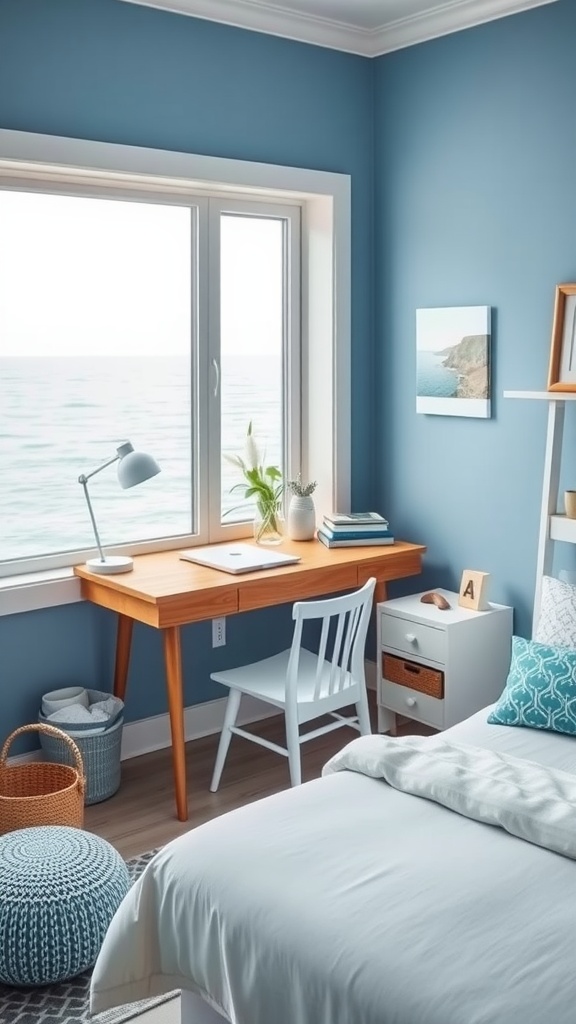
column 342, row 640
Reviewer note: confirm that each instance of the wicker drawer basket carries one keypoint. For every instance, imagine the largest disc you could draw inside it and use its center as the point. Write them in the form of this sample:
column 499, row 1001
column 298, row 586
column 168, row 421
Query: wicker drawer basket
column 410, row 673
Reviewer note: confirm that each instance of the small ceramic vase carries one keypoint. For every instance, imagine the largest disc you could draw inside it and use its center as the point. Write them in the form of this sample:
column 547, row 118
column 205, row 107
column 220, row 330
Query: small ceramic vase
column 570, row 504
column 301, row 523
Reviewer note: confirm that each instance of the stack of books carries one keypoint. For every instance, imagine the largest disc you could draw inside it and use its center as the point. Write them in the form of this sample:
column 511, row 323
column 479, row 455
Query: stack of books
column 347, row 529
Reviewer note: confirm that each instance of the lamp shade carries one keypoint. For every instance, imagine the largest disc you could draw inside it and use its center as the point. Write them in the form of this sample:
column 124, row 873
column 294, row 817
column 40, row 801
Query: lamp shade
column 134, row 467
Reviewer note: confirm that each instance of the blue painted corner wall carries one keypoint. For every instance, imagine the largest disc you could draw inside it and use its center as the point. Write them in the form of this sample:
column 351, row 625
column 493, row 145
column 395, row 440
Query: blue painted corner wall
column 474, row 205
column 461, row 154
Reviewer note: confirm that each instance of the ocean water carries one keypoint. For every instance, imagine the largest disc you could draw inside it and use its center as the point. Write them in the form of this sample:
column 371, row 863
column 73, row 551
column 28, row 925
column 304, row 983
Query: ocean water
column 60, row 417
column 432, row 379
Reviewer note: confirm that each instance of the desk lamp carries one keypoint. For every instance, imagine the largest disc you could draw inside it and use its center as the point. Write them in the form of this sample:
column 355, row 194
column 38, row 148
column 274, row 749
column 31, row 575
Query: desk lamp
column 133, row 468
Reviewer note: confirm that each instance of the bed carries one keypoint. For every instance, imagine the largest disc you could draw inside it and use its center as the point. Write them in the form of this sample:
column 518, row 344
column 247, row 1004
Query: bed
column 350, row 901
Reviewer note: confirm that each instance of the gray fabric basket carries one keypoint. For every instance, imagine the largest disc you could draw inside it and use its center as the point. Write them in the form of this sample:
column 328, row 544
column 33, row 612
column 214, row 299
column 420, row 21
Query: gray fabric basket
column 100, row 755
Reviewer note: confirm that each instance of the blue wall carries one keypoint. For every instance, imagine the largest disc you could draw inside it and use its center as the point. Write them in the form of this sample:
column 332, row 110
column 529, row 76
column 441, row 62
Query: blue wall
column 115, row 72
column 475, row 205
column 462, row 154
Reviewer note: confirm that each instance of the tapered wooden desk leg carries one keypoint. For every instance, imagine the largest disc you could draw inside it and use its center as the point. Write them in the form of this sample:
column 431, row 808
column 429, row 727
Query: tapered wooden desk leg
column 123, row 645
column 173, row 662
column 380, row 591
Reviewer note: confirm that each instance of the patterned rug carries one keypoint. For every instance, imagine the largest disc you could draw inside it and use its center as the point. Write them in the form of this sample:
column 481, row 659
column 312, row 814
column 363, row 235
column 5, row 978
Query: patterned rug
column 67, row 1003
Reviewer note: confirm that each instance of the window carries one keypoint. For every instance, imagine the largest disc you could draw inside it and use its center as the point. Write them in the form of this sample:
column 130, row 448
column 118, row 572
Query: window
column 170, row 310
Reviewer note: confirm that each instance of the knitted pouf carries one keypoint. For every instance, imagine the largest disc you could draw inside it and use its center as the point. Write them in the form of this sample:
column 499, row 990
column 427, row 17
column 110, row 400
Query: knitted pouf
column 59, row 889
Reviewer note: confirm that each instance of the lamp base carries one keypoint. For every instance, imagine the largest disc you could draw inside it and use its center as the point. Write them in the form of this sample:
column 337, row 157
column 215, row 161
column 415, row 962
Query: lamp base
column 112, row 564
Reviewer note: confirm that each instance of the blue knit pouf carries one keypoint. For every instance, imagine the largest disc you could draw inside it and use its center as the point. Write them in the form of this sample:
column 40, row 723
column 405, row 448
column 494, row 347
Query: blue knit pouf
column 59, row 889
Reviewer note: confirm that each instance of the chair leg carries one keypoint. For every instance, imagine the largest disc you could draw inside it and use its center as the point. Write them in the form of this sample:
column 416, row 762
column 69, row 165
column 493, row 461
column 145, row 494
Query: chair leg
column 363, row 714
column 293, row 746
column 232, row 705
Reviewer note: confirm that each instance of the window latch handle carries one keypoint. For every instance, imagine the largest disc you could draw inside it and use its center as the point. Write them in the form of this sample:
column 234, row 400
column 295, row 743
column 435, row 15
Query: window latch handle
column 216, row 366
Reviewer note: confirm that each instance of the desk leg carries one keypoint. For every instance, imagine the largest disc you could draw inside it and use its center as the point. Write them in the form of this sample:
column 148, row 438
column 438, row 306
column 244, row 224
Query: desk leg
column 123, row 645
column 380, row 591
column 173, row 662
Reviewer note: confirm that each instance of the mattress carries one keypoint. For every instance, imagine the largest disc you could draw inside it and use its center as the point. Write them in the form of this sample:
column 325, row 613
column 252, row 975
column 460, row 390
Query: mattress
column 345, row 901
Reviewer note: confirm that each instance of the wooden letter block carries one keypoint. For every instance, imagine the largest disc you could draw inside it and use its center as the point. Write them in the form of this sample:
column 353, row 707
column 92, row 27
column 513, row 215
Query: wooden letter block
column 473, row 590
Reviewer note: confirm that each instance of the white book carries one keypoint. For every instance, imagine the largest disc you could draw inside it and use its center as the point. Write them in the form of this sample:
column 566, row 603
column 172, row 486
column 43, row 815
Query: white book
column 355, row 519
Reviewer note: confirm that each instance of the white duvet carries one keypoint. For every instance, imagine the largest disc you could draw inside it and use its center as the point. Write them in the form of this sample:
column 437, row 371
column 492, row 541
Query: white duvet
column 346, row 901
column 532, row 801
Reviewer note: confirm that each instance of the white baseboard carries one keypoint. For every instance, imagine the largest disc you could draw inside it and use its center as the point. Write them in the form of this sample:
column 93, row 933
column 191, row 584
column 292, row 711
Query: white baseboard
column 199, row 720
column 148, row 734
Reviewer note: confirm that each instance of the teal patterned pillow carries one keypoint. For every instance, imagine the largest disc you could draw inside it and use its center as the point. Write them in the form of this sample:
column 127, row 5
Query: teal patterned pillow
column 540, row 690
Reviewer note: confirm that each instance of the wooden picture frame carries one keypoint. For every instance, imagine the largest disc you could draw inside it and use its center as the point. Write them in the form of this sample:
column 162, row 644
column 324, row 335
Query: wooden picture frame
column 562, row 369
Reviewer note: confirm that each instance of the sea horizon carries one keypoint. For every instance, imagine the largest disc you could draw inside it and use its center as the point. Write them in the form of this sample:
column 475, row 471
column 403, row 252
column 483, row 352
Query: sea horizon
column 62, row 416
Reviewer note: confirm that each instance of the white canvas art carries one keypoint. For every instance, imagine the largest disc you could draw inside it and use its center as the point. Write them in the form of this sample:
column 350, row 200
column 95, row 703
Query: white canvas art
column 453, row 361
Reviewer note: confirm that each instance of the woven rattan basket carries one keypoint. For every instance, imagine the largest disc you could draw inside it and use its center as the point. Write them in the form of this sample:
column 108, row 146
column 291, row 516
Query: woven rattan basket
column 39, row 792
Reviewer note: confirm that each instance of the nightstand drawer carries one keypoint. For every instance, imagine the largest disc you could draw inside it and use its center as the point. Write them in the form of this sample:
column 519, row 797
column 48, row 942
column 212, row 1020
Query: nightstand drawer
column 415, row 676
column 413, row 638
column 412, row 703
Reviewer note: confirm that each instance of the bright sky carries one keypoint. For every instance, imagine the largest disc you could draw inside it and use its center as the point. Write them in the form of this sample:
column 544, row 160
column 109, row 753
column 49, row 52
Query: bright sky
column 446, row 326
column 89, row 277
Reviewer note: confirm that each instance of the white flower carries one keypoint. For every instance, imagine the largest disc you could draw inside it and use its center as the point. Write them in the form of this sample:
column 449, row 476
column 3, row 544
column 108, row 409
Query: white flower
column 251, row 451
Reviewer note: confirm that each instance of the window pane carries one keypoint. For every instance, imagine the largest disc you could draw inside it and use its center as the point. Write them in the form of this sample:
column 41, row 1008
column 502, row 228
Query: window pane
column 95, row 329
column 252, row 318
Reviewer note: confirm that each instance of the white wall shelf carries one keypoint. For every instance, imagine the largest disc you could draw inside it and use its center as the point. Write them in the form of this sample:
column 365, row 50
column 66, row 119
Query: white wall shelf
column 549, row 396
column 553, row 527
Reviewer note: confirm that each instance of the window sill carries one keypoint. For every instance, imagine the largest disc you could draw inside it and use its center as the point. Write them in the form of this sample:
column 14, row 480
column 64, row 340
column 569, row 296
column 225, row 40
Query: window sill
column 36, row 590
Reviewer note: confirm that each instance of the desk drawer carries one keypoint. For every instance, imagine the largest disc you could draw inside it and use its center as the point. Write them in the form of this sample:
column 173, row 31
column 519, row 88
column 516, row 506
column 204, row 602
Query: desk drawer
column 412, row 703
column 414, row 676
column 413, row 638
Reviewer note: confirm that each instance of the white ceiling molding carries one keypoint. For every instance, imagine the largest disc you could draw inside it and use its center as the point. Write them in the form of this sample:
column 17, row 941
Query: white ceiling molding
column 429, row 22
column 442, row 21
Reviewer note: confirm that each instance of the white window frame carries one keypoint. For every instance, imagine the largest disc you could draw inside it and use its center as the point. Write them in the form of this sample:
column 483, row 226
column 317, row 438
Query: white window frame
column 219, row 530
column 325, row 294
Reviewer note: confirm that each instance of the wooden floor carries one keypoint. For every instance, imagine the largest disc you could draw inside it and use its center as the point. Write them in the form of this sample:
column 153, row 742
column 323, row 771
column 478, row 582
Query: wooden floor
column 141, row 815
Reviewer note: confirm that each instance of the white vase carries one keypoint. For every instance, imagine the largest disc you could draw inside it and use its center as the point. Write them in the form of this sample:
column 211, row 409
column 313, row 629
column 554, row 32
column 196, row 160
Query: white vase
column 301, row 523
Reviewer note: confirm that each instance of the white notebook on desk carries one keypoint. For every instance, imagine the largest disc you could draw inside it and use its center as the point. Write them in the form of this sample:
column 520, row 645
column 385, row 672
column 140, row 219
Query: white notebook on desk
column 237, row 557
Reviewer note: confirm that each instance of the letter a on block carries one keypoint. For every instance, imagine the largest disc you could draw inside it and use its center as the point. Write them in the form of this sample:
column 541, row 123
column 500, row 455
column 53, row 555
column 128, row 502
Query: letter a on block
column 473, row 590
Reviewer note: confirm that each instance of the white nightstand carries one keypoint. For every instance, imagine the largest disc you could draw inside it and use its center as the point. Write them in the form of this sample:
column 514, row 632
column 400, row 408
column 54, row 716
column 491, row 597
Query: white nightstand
column 439, row 667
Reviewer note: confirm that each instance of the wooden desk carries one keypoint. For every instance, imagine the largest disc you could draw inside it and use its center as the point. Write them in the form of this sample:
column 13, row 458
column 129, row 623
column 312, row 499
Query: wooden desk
column 166, row 592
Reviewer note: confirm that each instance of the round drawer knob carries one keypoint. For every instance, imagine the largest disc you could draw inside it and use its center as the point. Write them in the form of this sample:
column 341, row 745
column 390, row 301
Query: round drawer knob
column 411, row 702
column 411, row 638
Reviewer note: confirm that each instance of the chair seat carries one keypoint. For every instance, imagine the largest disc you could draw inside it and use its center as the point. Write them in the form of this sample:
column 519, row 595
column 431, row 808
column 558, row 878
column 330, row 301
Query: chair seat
column 266, row 679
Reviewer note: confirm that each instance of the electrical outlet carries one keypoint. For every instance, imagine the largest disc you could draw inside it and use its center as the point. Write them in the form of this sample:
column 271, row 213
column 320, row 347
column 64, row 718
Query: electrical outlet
column 218, row 632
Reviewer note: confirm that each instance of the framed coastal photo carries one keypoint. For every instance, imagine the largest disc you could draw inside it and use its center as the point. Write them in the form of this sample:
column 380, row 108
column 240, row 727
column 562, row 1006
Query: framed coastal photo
column 562, row 370
column 453, row 361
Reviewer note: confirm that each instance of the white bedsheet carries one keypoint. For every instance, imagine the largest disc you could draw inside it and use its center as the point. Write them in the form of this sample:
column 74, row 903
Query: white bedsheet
column 345, row 901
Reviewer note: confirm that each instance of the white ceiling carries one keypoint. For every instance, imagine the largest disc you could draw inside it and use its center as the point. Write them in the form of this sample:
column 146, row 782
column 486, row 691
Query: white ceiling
column 366, row 27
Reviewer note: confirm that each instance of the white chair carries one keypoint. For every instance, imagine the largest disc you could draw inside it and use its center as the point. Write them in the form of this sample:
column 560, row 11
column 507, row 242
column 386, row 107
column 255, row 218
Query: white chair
column 305, row 685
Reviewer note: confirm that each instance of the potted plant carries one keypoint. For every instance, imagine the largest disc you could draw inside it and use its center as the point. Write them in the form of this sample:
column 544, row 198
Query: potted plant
column 264, row 483
column 301, row 510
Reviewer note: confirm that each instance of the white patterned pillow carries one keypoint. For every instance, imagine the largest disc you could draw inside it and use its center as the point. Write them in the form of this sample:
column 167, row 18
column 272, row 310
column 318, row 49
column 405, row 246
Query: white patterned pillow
column 557, row 619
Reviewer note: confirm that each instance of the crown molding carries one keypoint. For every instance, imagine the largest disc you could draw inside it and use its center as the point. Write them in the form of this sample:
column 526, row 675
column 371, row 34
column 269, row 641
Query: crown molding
column 272, row 19
column 444, row 20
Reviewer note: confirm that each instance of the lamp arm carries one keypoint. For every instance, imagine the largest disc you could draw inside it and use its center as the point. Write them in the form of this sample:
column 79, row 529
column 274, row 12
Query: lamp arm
column 86, row 476
column 83, row 480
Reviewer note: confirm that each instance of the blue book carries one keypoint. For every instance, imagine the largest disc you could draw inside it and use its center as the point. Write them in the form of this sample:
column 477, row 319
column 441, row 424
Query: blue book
column 358, row 540
column 369, row 536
